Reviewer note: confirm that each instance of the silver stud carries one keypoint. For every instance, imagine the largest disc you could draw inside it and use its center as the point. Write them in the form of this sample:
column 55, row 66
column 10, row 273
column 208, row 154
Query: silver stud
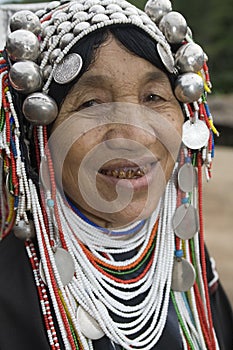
column 40, row 109
column 66, row 26
column 100, row 17
column 114, row 8
column 25, row 20
column 48, row 30
column 97, row 9
column 189, row 58
column 189, row 87
column 25, row 77
column 46, row 72
column 76, row 7
column 52, row 5
column 174, row 27
column 82, row 16
column 156, row 9
column 118, row 15
column 65, row 40
column 22, row 45
column 80, row 27
column 136, row 19
column 54, row 55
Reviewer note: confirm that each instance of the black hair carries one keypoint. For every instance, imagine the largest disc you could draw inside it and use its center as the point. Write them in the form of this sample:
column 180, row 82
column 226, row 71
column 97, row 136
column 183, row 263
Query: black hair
column 131, row 37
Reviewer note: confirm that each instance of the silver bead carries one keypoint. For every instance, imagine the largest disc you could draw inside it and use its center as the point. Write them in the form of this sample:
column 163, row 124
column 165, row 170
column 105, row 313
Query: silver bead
column 22, row 45
column 40, row 109
column 23, row 230
column 25, row 77
column 25, row 20
column 189, row 87
column 114, row 8
column 156, row 9
column 174, row 27
column 189, row 58
column 53, row 40
column 59, row 16
column 65, row 40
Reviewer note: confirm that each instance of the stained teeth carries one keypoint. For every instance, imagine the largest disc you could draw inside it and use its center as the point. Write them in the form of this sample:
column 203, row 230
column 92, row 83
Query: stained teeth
column 125, row 173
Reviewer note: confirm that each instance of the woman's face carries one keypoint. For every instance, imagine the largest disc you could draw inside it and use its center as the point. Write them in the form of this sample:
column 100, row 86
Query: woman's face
column 122, row 139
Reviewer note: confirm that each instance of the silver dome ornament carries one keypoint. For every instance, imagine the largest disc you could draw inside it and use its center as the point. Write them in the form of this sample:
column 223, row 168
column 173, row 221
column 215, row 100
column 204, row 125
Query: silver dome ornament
column 189, row 87
column 65, row 40
column 54, row 55
column 22, row 45
column 25, row 20
column 156, row 9
column 23, row 230
column 40, row 109
column 174, row 27
column 25, row 77
column 189, row 58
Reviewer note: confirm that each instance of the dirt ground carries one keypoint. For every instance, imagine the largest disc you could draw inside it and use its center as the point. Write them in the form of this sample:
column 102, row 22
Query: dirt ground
column 218, row 211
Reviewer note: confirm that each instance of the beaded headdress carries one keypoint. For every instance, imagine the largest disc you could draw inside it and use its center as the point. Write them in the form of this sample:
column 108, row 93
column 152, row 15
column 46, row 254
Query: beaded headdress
column 37, row 53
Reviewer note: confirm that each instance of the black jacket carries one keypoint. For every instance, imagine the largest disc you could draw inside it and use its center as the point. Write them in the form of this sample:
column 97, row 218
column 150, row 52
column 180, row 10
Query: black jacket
column 21, row 324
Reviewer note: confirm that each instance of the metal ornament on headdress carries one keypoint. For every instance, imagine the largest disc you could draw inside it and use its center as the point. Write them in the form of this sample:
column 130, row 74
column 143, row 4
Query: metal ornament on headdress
column 68, row 69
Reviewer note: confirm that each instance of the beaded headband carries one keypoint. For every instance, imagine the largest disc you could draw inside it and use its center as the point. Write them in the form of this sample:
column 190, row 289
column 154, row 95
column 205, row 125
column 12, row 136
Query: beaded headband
column 47, row 37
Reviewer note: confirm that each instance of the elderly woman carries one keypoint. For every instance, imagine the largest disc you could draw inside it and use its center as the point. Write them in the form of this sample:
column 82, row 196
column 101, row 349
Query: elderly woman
column 105, row 129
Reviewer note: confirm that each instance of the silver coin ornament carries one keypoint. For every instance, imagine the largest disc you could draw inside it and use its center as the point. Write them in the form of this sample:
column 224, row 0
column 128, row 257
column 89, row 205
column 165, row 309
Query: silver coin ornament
column 23, row 230
column 189, row 58
column 22, row 45
column 25, row 77
column 88, row 325
column 64, row 264
column 187, row 177
column 183, row 275
column 195, row 135
column 166, row 58
column 174, row 27
column 189, row 87
column 40, row 109
column 185, row 221
column 68, row 69
column 25, row 20
column 156, row 9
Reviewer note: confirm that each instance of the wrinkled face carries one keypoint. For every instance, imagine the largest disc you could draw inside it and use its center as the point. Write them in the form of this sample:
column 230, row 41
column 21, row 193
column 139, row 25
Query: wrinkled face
column 117, row 137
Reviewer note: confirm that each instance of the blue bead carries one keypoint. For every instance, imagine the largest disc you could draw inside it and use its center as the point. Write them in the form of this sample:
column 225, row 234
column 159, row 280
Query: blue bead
column 50, row 203
column 187, row 160
column 179, row 253
column 184, row 200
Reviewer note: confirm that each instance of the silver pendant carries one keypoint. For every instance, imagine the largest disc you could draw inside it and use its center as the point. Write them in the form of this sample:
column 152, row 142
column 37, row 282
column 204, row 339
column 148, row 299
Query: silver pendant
column 183, row 275
column 195, row 135
column 187, row 177
column 64, row 264
column 88, row 325
column 166, row 57
column 68, row 69
column 185, row 221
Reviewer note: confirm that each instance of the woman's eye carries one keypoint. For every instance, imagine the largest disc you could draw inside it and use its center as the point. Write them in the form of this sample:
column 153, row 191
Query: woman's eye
column 153, row 98
column 89, row 103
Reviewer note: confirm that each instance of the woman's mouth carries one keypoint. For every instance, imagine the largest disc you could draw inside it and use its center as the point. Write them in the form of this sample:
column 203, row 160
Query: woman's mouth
column 126, row 172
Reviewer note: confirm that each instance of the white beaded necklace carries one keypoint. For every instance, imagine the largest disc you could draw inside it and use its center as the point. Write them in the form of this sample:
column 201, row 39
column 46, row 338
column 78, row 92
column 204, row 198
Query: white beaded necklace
column 92, row 290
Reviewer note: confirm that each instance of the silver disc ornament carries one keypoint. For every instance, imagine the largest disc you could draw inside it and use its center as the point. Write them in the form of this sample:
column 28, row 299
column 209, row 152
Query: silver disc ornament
column 187, row 177
column 195, row 135
column 22, row 45
column 183, row 275
column 68, row 69
column 64, row 264
column 40, row 109
column 185, row 221
column 25, row 77
column 88, row 325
